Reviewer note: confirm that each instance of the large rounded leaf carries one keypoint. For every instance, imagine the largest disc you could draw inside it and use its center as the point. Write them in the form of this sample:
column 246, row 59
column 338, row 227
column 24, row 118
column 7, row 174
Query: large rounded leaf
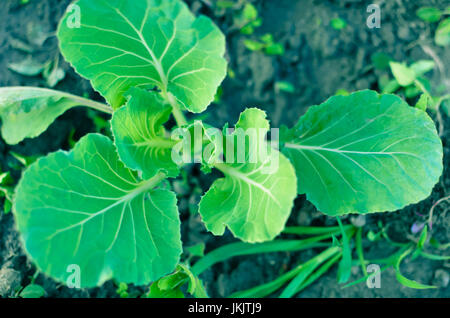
column 364, row 153
column 128, row 43
column 85, row 209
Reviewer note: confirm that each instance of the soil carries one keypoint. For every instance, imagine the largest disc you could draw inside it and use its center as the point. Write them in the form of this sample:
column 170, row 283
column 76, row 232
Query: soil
column 319, row 60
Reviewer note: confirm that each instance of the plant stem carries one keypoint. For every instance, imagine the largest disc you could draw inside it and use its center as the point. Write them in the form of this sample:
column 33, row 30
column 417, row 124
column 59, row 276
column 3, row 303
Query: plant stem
column 179, row 116
column 359, row 250
column 146, row 185
column 81, row 101
column 430, row 217
column 421, row 87
column 95, row 105
column 311, row 230
column 176, row 111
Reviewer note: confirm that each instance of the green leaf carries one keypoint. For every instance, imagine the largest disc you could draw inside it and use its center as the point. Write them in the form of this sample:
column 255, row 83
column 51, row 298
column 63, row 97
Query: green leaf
column 411, row 283
column 338, row 23
column 248, row 29
column 144, row 43
column 404, row 75
column 423, row 238
column 156, row 292
column 434, row 257
column 176, row 279
column 380, row 60
column 442, row 35
column 32, row 291
column 364, row 153
column 253, row 45
column 345, row 265
column 275, row 49
column 240, row 248
column 197, row 250
column 305, row 271
column 91, row 211
column 296, row 275
column 27, row 67
column 250, row 12
column 429, row 14
column 267, row 38
column 254, row 200
column 26, row 112
column 139, row 134
column 390, row 86
column 53, row 74
column 200, row 291
column 406, row 281
column 421, row 67
column 225, row 4
column 424, row 102
column 7, row 207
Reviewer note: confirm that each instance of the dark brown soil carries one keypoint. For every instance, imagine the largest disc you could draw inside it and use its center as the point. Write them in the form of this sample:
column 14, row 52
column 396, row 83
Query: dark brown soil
column 318, row 61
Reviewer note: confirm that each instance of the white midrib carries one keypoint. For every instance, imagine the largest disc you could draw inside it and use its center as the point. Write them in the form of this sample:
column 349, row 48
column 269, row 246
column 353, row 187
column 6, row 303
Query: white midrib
column 159, row 68
column 235, row 173
column 305, row 147
column 156, row 62
column 156, row 143
column 144, row 187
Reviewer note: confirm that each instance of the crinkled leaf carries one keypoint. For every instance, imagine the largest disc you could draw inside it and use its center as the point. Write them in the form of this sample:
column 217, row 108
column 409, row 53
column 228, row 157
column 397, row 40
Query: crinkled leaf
column 26, row 112
column 122, row 44
column 139, row 134
column 253, row 200
column 85, row 208
column 364, row 153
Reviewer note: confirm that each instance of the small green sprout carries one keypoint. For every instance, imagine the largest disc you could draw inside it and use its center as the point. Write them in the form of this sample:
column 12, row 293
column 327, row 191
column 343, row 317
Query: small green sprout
column 338, row 23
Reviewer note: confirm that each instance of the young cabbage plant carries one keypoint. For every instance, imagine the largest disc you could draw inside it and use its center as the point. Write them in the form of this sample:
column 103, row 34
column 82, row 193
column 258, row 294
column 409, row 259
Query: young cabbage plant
column 105, row 206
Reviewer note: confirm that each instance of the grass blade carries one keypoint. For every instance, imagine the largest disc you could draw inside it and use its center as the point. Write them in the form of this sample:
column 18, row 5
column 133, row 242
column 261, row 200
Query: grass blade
column 240, row 248
column 311, row 230
column 435, row 257
column 406, row 281
column 359, row 250
column 322, row 270
column 306, row 271
column 345, row 265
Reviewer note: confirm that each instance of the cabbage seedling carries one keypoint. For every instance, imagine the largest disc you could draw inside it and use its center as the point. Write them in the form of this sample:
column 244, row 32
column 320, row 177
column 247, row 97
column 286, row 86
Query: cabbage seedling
column 105, row 206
